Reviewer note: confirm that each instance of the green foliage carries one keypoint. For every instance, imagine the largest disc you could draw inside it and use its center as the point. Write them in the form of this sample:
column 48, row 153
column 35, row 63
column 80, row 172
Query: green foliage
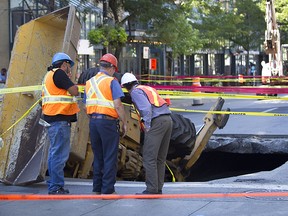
column 215, row 24
column 144, row 10
column 172, row 28
column 169, row 22
column 191, row 25
column 250, row 31
column 179, row 35
column 108, row 36
column 281, row 8
column 242, row 24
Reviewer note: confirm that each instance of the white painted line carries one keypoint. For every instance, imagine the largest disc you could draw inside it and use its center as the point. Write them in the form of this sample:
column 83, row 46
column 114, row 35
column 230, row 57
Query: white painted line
column 269, row 110
column 183, row 185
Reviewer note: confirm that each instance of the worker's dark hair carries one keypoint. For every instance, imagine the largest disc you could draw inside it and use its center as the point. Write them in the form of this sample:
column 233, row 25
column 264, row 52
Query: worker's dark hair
column 129, row 85
column 56, row 65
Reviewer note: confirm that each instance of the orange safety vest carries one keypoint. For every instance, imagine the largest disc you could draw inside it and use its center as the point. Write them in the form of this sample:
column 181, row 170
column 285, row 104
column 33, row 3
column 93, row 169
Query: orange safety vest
column 56, row 100
column 99, row 95
column 153, row 96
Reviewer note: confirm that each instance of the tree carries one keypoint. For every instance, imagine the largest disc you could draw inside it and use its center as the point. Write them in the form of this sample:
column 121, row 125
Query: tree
column 179, row 35
column 250, row 31
column 169, row 25
column 281, row 8
column 214, row 23
column 174, row 29
column 242, row 24
column 108, row 36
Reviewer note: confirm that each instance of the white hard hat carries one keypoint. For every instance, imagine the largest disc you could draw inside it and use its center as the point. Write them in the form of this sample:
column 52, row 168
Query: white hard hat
column 127, row 78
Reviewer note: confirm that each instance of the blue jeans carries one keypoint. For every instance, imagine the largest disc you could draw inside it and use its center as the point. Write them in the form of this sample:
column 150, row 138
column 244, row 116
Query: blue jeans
column 104, row 137
column 59, row 135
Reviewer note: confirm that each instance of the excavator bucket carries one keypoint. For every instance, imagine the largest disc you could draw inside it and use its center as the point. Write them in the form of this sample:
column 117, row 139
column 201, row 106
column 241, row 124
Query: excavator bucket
column 211, row 123
column 24, row 147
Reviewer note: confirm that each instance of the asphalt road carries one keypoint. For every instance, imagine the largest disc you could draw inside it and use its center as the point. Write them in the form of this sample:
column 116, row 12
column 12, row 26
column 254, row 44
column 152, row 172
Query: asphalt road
column 238, row 124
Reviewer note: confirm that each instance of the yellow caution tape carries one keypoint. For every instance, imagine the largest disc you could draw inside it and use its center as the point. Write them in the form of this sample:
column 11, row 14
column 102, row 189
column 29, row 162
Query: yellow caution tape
column 231, row 112
column 203, row 80
column 186, row 94
column 171, row 94
column 23, row 116
column 160, row 78
column 29, row 88
column 171, row 172
column 20, row 89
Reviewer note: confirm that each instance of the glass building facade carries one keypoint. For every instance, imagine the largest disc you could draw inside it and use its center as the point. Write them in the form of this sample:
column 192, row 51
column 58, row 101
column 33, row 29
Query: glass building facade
column 132, row 56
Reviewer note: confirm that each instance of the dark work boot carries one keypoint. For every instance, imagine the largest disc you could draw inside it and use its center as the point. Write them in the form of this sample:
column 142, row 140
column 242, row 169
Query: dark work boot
column 59, row 191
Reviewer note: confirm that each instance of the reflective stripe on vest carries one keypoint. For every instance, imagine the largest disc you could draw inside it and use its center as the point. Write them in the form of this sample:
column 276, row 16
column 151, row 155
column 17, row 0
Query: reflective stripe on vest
column 99, row 97
column 55, row 100
column 152, row 95
column 48, row 98
column 100, row 100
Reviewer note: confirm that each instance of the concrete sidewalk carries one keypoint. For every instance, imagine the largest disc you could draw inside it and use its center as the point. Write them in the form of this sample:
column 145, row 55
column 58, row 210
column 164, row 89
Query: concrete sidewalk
column 237, row 196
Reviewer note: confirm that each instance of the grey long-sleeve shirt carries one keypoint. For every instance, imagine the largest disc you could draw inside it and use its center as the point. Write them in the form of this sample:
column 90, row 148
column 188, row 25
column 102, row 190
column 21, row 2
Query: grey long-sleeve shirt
column 145, row 108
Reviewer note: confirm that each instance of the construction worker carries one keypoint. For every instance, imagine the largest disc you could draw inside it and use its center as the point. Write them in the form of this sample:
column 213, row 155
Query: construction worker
column 103, row 104
column 155, row 115
column 59, row 109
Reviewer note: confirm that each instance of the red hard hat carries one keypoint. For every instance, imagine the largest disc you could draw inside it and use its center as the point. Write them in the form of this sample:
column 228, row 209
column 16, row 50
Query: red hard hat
column 110, row 59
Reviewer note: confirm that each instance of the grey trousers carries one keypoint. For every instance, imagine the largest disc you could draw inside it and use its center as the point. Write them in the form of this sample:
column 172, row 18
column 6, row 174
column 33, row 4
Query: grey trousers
column 155, row 149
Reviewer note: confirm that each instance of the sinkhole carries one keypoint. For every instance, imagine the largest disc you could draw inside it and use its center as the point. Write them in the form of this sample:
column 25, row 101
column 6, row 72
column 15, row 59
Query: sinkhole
column 217, row 165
